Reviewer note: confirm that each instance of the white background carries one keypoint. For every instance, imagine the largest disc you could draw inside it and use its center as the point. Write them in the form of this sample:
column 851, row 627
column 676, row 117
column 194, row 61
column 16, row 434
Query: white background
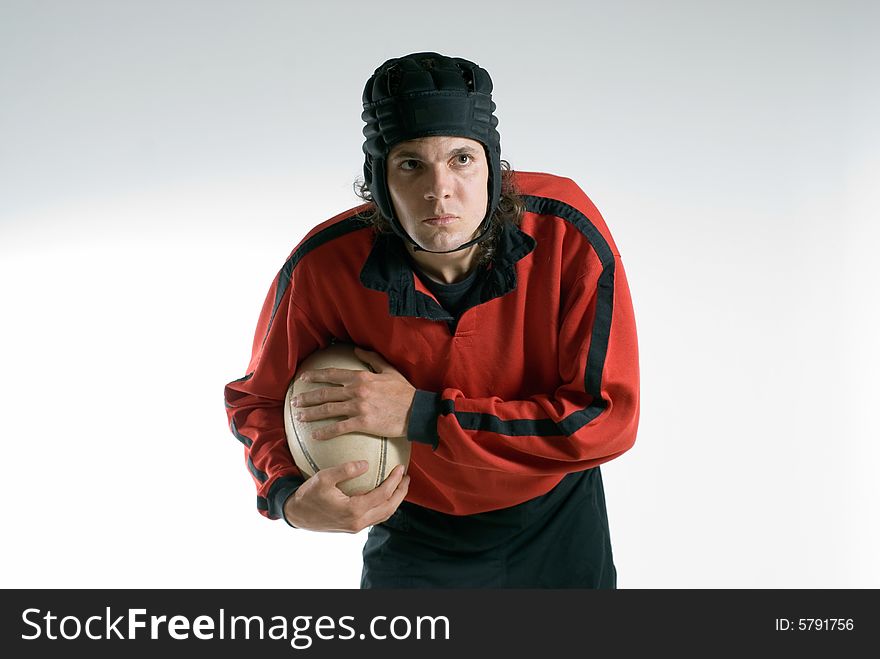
column 159, row 160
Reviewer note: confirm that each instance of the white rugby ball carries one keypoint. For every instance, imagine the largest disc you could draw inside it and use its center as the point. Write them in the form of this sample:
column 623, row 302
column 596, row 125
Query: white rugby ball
column 381, row 453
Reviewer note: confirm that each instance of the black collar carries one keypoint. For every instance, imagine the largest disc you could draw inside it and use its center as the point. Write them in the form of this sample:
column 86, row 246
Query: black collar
column 387, row 270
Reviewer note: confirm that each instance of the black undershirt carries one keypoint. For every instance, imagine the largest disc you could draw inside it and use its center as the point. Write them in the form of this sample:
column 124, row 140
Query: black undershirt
column 455, row 297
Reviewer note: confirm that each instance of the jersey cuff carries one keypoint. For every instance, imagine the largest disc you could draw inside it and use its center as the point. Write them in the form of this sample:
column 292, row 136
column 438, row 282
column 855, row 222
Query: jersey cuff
column 278, row 493
column 422, row 426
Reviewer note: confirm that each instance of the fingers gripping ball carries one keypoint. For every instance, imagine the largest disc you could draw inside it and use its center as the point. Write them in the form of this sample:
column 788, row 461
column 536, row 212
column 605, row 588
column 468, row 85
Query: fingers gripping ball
column 310, row 455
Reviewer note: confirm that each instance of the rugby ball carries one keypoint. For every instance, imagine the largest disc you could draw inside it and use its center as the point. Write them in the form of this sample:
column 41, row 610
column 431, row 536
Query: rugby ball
column 381, row 453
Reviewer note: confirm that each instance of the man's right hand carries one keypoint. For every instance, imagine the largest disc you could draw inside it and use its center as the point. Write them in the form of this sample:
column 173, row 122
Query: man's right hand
column 318, row 505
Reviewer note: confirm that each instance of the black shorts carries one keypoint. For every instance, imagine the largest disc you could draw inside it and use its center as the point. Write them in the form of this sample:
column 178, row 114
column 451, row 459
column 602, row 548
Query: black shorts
column 557, row 540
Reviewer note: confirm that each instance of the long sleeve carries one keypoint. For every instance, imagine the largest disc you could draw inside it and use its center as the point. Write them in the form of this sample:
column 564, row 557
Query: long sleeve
column 590, row 419
column 254, row 403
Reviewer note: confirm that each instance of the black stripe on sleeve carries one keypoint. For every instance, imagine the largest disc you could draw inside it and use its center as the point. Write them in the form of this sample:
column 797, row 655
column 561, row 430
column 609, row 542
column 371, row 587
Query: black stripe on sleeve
column 601, row 332
column 548, row 206
column 244, row 440
column 514, row 427
column 241, row 379
column 349, row 225
column 261, row 476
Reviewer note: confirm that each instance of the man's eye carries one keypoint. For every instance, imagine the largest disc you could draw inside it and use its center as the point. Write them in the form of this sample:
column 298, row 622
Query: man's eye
column 409, row 164
column 464, row 158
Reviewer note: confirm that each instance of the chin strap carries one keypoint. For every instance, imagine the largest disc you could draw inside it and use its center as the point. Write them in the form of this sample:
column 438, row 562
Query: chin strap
column 484, row 233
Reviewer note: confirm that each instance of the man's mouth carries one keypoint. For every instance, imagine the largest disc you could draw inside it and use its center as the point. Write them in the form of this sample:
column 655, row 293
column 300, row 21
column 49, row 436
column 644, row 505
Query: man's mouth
column 439, row 220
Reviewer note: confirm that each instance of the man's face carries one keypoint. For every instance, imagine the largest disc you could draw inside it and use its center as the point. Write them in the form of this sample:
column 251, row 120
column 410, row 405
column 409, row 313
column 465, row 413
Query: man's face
column 438, row 188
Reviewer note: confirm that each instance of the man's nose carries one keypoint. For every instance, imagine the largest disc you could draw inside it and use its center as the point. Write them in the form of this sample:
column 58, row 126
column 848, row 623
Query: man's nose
column 439, row 183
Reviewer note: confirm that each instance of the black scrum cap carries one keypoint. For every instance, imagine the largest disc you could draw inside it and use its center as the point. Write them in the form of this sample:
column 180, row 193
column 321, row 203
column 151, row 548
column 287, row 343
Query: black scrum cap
column 421, row 95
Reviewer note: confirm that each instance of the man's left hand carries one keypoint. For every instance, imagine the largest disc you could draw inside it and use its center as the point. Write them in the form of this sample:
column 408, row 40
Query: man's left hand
column 376, row 403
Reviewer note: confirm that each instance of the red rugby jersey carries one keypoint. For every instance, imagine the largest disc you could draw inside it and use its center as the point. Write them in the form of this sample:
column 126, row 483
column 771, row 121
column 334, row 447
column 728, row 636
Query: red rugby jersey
column 540, row 377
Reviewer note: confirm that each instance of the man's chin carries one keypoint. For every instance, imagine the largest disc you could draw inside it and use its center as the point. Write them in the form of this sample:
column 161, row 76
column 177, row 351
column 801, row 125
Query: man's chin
column 444, row 241
column 443, row 245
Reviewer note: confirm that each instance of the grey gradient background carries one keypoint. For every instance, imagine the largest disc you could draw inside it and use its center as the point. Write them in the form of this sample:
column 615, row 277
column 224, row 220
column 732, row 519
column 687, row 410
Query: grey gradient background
column 159, row 160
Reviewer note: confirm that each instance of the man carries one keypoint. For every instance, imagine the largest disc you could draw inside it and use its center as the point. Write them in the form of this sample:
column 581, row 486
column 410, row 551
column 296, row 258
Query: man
column 494, row 311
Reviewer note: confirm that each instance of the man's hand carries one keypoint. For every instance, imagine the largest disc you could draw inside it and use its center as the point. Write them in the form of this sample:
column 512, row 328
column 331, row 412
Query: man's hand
column 318, row 505
column 376, row 403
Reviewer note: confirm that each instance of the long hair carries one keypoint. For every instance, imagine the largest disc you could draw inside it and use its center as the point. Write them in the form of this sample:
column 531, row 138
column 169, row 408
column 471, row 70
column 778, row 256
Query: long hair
column 509, row 211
